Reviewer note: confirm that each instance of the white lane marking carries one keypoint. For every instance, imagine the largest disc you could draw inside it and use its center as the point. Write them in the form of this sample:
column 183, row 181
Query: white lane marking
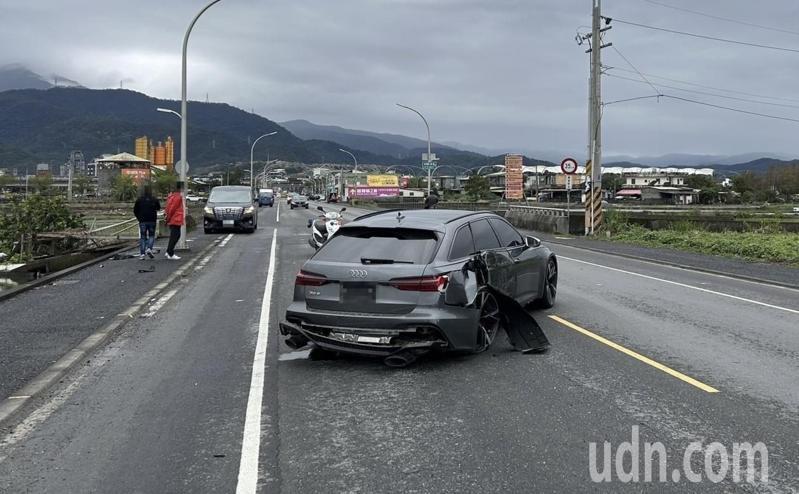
column 251, row 444
column 278, row 212
column 683, row 268
column 159, row 303
column 205, row 260
column 227, row 239
column 720, row 294
column 32, row 421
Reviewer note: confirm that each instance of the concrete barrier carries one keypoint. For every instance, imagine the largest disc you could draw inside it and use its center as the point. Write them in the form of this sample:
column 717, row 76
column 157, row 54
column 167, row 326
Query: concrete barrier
column 549, row 220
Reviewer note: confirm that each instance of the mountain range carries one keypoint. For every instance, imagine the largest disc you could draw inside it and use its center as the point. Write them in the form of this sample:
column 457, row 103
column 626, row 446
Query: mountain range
column 40, row 122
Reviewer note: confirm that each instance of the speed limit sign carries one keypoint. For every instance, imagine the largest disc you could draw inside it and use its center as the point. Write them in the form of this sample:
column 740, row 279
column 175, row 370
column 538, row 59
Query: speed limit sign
column 569, row 166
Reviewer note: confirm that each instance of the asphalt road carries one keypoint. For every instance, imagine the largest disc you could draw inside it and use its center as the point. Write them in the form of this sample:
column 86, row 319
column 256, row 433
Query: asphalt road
column 686, row 356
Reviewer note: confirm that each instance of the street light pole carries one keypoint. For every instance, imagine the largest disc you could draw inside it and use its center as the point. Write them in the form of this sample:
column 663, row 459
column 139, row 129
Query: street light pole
column 252, row 150
column 353, row 158
column 184, row 160
column 429, row 165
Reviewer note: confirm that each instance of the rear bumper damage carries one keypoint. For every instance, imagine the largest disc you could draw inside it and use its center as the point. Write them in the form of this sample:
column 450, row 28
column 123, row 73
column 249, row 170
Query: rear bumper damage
column 400, row 340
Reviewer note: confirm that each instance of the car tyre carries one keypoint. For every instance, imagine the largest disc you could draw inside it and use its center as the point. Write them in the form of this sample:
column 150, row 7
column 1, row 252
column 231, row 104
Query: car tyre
column 208, row 230
column 547, row 301
column 489, row 322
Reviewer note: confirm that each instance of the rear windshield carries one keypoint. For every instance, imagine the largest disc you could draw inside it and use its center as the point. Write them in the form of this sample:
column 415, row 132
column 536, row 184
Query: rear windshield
column 401, row 245
column 219, row 195
column 266, row 194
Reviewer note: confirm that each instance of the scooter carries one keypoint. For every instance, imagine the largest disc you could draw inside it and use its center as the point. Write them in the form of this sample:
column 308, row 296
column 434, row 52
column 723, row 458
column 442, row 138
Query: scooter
column 324, row 226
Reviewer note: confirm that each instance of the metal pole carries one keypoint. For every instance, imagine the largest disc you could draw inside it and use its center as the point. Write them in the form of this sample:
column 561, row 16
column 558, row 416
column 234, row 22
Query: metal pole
column 184, row 160
column 429, row 165
column 353, row 158
column 252, row 150
column 596, row 117
column 69, row 182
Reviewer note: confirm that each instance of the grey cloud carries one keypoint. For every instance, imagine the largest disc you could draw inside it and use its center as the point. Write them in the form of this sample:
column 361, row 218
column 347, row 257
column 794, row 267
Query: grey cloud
column 496, row 73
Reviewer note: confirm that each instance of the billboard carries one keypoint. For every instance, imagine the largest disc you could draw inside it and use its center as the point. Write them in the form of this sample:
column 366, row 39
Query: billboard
column 514, row 176
column 139, row 175
column 382, row 181
column 361, row 191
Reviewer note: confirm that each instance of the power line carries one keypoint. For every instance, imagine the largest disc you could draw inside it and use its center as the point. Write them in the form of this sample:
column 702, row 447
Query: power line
column 657, row 91
column 687, row 83
column 702, row 36
column 631, row 99
column 737, row 110
column 708, row 93
column 725, row 19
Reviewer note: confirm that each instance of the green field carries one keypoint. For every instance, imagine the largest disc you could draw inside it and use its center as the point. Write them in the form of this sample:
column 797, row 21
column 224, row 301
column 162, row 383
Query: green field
column 754, row 246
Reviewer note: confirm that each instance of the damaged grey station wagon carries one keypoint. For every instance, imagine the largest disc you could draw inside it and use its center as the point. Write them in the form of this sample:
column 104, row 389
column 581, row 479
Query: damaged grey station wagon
column 399, row 284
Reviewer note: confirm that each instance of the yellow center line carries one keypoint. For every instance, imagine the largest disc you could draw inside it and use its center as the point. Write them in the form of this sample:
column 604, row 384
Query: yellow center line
column 637, row 356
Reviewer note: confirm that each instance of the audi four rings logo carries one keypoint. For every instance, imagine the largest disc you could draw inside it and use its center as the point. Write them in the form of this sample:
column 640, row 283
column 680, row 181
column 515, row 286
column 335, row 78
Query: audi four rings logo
column 358, row 273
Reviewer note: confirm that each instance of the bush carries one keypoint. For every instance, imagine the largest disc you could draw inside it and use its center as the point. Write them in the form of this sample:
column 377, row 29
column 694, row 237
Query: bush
column 25, row 219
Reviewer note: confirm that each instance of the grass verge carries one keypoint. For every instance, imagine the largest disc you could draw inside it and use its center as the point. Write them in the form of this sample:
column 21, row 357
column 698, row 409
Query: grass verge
column 754, row 246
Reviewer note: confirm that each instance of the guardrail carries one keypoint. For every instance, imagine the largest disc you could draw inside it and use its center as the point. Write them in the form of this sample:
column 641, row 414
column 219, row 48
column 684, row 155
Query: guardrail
column 557, row 212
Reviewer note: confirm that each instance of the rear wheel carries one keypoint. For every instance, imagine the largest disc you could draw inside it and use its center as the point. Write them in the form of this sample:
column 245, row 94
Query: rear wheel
column 490, row 320
column 208, row 230
column 547, row 300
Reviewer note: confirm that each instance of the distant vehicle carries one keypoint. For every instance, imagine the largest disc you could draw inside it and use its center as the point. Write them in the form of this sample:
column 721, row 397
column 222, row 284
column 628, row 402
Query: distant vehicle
column 379, row 286
column 266, row 198
column 193, row 198
column 230, row 207
column 299, row 201
column 796, row 210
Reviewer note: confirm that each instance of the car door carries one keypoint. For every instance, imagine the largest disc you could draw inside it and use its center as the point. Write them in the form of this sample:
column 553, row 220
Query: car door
column 501, row 265
column 527, row 261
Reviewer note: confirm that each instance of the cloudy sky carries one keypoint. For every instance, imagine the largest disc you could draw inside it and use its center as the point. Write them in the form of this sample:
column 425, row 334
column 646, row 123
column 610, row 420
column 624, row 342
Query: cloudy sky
column 502, row 74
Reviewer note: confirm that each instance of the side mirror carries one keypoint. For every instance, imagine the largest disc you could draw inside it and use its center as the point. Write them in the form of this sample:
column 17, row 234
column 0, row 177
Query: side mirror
column 343, row 209
column 531, row 241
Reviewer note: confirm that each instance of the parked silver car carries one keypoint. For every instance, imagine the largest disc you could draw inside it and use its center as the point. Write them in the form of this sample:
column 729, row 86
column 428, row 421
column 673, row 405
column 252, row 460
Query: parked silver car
column 379, row 286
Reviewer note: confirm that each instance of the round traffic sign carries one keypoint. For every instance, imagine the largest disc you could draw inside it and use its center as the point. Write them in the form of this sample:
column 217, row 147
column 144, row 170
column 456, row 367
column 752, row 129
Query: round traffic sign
column 569, row 166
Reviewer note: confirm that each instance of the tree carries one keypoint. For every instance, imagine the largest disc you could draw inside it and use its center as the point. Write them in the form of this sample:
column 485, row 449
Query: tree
column 81, row 183
column 477, row 187
column 41, row 183
column 700, row 182
column 124, row 188
column 745, row 182
column 165, row 183
column 24, row 219
column 6, row 180
column 612, row 182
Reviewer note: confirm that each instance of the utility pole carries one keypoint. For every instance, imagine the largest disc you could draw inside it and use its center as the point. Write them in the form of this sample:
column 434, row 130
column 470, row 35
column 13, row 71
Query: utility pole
column 593, row 205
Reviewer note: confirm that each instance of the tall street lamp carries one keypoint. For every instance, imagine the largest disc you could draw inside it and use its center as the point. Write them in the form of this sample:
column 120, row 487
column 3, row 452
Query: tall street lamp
column 353, row 158
column 184, row 160
column 429, row 165
column 252, row 150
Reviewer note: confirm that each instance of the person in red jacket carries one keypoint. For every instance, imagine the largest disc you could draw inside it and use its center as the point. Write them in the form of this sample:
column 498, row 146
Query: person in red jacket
column 175, row 217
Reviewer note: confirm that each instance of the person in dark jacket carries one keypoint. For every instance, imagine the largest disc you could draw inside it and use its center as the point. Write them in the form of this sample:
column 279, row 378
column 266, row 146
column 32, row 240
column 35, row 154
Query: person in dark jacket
column 431, row 200
column 146, row 211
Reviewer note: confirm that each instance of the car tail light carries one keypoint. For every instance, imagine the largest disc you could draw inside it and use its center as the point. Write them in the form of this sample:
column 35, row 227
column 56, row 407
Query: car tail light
column 436, row 283
column 304, row 278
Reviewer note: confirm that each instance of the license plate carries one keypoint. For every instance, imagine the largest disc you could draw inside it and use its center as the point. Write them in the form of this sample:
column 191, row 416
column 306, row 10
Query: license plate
column 357, row 293
column 228, row 222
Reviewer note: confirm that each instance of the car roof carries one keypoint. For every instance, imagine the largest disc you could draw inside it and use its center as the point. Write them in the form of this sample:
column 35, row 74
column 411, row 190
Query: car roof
column 231, row 187
column 425, row 219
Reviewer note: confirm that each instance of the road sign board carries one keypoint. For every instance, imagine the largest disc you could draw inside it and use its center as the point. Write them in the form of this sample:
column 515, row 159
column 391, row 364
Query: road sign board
column 568, row 182
column 569, row 166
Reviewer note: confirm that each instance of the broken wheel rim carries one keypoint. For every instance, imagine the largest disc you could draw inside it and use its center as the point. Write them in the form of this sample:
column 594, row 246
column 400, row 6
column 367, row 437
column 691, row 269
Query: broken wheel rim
column 551, row 281
column 490, row 319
